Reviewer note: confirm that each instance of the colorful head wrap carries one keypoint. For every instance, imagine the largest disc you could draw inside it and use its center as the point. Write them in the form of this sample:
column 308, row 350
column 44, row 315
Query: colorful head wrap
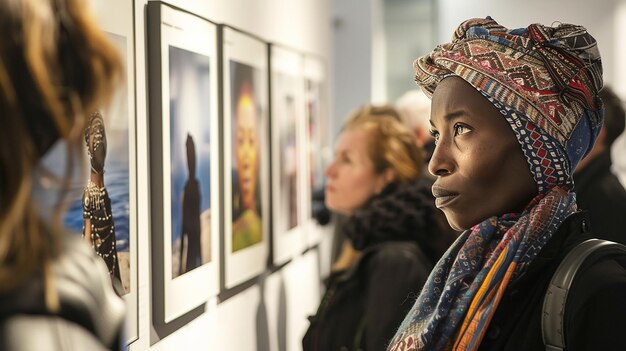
column 545, row 82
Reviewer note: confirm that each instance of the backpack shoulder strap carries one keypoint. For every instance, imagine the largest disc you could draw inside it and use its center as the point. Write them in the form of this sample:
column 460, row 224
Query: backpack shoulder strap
column 554, row 302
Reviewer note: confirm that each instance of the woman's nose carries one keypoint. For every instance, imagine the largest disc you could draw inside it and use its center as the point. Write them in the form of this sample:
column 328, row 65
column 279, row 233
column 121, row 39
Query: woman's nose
column 441, row 162
column 330, row 171
column 248, row 149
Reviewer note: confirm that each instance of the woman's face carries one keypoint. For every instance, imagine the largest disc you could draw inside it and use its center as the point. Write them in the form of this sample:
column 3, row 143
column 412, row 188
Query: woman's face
column 246, row 146
column 351, row 177
column 480, row 168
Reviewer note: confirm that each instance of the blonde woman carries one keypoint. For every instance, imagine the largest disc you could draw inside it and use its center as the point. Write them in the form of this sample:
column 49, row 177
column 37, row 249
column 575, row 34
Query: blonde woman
column 393, row 230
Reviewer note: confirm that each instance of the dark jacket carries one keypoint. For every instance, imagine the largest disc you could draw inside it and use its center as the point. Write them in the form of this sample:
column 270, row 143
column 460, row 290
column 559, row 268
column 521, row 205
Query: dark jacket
column 90, row 315
column 595, row 308
column 599, row 192
column 400, row 239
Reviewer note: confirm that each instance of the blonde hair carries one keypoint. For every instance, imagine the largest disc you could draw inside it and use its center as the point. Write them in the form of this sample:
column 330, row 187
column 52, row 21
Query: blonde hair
column 56, row 66
column 392, row 144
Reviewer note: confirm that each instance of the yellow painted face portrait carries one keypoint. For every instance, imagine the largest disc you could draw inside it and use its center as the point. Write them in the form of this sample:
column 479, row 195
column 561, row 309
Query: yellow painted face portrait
column 246, row 148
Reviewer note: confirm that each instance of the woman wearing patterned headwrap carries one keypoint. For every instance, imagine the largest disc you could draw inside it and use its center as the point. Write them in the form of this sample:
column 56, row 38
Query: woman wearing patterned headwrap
column 513, row 112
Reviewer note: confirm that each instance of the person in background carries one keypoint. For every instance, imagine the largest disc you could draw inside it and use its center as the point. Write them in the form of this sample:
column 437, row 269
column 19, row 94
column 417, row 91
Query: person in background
column 393, row 234
column 597, row 189
column 513, row 112
column 56, row 66
column 414, row 109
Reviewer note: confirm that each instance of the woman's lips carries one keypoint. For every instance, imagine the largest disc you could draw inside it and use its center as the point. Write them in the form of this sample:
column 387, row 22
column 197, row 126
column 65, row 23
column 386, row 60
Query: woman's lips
column 443, row 196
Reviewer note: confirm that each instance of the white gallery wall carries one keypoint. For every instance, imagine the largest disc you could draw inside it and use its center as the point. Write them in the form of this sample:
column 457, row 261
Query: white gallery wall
column 357, row 29
column 271, row 313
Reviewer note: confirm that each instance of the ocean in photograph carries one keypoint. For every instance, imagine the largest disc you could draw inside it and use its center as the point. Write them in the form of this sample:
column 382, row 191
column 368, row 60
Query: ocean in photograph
column 116, row 182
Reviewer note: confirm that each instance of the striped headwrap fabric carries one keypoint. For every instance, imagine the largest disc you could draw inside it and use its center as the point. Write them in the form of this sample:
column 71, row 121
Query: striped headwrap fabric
column 549, row 77
column 545, row 83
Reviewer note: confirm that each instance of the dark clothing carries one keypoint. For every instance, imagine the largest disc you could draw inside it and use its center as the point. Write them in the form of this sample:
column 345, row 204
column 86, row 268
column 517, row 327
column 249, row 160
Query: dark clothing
column 90, row 315
column 400, row 239
column 319, row 211
column 595, row 307
column 402, row 212
column 363, row 307
column 599, row 192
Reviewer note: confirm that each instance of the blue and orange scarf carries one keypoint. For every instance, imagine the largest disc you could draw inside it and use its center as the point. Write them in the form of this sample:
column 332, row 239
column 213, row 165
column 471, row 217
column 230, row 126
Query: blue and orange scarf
column 465, row 287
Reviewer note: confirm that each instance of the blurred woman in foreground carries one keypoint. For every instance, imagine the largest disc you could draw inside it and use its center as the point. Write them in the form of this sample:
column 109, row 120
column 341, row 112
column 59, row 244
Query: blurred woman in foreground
column 56, row 67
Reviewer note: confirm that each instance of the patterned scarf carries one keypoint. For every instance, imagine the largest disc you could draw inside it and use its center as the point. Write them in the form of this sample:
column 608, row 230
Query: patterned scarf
column 545, row 83
column 465, row 287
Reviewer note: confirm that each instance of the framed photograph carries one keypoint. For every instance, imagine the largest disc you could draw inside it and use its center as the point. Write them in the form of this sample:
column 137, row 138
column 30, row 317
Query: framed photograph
column 318, row 141
column 103, row 205
column 288, row 129
column 246, row 156
column 185, row 153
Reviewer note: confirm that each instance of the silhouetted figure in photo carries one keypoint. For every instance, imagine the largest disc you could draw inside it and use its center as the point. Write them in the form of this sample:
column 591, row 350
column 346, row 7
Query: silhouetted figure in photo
column 191, row 214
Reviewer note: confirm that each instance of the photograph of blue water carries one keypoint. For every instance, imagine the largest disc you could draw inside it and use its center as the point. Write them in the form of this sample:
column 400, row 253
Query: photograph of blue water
column 116, row 182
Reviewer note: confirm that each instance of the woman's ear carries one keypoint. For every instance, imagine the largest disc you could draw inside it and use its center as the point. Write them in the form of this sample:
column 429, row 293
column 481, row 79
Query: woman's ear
column 388, row 176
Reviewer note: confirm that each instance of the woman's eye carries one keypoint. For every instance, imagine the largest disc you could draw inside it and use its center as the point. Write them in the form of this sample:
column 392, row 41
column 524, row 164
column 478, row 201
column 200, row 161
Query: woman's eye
column 435, row 135
column 460, row 129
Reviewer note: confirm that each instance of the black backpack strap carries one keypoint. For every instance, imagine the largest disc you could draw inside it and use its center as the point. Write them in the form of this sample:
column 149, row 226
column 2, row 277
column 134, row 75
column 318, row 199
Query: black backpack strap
column 552, row 327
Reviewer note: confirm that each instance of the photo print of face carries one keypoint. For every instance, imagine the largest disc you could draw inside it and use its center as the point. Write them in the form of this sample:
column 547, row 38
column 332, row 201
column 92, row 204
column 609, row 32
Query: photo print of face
column 246, row 195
